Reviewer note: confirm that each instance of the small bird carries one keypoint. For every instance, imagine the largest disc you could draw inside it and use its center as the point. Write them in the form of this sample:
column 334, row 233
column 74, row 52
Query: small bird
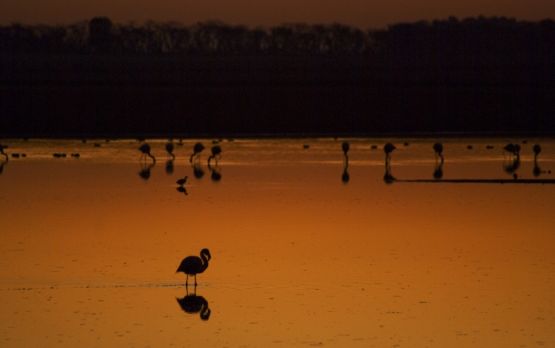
column 192, row 265
column 182, row 181
column 197, row 149
column 388, row 149
column 216, row 151
column 145, row 150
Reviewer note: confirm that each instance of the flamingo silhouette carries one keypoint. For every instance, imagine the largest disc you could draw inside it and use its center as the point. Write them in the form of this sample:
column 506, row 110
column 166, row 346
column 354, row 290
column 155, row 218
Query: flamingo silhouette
column 2, row 148
column 197, row 149
column 345, row 147
column 169, row 149
column 388, row 150
column 216, row 151
column 438, row 148
column 192, row 304
column 345, row 177
column 145, row 151
column 144, row 173
column 192, row 265
column 537, row 170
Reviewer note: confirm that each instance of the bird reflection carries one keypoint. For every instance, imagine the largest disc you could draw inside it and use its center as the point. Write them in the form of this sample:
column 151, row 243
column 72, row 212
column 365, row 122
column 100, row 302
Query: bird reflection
column 215, row 173
column 144, row 173
column 182, row 189
column 438, row 171
column 193, row 303
column 198, row 172
column 169, row 167
column 345, row 177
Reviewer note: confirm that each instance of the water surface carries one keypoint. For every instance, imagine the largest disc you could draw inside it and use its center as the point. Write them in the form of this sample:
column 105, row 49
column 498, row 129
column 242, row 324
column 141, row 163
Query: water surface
column 301, row 256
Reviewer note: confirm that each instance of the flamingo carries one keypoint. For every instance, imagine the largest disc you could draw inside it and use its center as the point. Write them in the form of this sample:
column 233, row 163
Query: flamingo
column 197, row 149
column 216, row 151
column 2, row 148
column 169, row 149
column 145, row 150
column 537, row 149
column 345, row 147
column 192, row 265
column 438, row 148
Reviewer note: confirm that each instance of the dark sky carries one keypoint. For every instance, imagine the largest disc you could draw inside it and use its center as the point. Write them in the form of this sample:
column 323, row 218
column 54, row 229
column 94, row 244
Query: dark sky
column 362, row 13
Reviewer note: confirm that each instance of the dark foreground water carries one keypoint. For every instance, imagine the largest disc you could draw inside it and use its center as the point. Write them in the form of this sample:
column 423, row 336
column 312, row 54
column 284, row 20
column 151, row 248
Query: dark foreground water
column 306, row 251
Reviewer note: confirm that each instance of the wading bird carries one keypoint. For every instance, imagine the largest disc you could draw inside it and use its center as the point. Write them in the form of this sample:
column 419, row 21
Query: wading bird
column 145, row 151
column 182, row 181
column 197, row 149
column 216, row 151
column 169, row 149
column 192, row 265
column 438, row 148
column 2, row 148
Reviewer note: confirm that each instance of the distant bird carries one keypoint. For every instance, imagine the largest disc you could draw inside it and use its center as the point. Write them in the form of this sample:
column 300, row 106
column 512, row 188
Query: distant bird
column 182, row 181
column 192, row 265
column 374, row 147
column 16, row 155
column 75, row 155
column 388, row 150
column 345, row 147
column 197, row 149
column 469, row 147
column 145, row 150
column 193, row 304
column 216, row 151
column 2, row 148
column 537, row 149
column 438, row 148
column 306, row 146
column 489, row 147
column 169, row 149
column 537, row 170
column 513, row 149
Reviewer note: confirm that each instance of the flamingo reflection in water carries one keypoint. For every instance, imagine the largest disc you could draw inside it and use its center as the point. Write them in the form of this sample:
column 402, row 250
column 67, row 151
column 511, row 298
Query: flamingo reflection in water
column 345, row 177
column 511, row 164
column 193, row 303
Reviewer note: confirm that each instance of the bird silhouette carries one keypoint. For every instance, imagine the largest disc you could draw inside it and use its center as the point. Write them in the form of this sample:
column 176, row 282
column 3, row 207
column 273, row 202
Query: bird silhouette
column 182, row 181
column 197, row 149
column 345, row 147
column 182, row 189
column 193, row 265
column 192, row 304
column 438, row 149
column 2, row 148
column 388, row 150
column 145, row 151
column 216, row 152
column 169, row 149
column 537, row 170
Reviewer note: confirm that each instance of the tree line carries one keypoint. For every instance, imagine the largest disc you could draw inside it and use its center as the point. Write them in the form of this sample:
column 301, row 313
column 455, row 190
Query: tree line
column 475, row 38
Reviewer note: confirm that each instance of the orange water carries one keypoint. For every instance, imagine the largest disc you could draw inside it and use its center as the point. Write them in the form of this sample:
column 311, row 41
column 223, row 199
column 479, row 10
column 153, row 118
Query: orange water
column 299, row 258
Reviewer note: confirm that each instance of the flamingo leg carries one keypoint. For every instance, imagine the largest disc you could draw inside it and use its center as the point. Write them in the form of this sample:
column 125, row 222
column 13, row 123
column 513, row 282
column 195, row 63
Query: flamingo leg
column 195, row 280
column 187, row 280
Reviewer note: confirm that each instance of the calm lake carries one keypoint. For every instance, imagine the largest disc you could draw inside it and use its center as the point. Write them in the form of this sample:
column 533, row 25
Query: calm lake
column 307, row 249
